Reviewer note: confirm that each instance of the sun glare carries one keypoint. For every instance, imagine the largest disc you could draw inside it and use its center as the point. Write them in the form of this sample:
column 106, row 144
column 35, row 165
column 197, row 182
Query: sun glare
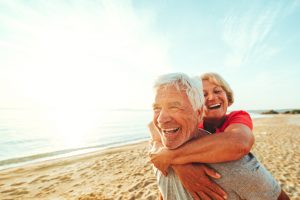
column 71, row 127
column 104, row 58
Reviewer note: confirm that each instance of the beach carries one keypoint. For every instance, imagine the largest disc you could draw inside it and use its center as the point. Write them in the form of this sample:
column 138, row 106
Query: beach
column 126, row 173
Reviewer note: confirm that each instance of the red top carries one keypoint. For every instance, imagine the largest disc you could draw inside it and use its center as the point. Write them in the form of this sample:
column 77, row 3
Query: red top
column 235, row 117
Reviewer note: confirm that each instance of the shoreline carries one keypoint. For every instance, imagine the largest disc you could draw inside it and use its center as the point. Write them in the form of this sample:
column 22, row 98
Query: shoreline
column 124, row 172
column 19, row 161
column 67, row 178
column 39, row 158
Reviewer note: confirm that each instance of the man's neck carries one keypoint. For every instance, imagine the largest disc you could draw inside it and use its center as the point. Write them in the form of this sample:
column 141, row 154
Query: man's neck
column 212, row 124
column 200, row 132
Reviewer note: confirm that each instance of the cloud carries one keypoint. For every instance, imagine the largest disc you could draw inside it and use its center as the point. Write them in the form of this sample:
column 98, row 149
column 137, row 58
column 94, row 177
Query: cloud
column 106, row 30
column 246, row 34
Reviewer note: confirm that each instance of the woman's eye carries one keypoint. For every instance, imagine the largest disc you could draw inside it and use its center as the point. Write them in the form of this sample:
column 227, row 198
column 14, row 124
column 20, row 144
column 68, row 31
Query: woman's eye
column 218, row 91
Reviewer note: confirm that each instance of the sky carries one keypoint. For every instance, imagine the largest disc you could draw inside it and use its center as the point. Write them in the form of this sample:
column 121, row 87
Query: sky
column 107, row 53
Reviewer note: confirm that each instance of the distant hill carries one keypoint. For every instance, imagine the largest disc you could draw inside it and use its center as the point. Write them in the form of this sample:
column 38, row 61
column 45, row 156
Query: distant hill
column 279, row 111
column 296, row 111
column 270, row 112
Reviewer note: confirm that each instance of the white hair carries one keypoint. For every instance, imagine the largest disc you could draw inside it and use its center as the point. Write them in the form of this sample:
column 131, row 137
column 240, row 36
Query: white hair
column 191, row 86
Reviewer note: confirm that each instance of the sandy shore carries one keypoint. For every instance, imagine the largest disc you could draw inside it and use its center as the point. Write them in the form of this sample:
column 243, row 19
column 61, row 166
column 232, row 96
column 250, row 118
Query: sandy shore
column 125, row 173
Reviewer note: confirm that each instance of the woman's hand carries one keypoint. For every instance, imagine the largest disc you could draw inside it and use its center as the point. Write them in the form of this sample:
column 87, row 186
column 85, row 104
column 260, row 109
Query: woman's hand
column 196, row 179
column 158, row 153
column 160, row 157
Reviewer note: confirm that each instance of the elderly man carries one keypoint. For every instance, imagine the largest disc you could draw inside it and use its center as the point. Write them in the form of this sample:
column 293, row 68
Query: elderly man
column 177, row 111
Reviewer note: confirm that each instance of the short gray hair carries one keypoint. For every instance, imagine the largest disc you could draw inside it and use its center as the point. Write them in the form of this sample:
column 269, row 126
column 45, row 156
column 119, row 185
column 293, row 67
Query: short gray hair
column 192, row 87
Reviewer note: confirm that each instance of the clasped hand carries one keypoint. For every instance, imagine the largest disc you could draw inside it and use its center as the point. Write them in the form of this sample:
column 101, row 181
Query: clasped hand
column 160, row 157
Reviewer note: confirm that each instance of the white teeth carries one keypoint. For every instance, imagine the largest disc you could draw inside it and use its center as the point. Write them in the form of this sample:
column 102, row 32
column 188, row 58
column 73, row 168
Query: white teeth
column 170, row 130
column 214, row 105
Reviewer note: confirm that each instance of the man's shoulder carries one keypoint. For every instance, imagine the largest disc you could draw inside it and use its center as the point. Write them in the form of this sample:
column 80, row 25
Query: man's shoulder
column 170, row 186
column 244, row 165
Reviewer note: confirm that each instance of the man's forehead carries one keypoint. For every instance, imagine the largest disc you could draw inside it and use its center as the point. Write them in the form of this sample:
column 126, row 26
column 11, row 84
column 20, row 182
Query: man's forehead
column 171, row 88
column 171, row 96
column 169, row 103
column 171, row 91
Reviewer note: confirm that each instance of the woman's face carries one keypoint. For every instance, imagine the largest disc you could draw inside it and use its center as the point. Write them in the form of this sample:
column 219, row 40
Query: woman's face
column 216, row 101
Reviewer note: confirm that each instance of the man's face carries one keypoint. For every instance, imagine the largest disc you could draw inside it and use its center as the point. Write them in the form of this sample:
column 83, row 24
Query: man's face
column 174, row 116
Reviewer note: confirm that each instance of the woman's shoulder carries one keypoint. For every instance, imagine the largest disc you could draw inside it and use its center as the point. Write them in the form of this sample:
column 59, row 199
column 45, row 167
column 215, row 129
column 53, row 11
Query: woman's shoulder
column 238, row 113
column 239, row 116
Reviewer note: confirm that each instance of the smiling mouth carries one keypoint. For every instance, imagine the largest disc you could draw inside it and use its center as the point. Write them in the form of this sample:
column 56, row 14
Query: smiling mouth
column 214, row 106
column 170, row 130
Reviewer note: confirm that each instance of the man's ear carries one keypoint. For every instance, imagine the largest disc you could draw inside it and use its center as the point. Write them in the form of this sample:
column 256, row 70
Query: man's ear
column 200, row 113
column 154, row 132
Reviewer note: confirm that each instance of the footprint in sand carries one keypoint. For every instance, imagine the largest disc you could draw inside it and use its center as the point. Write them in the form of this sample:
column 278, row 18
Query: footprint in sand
column 136, row 186
column 39, row 179
column 8, row 191
column 19, row 170
column 65, row 178
column 80, row 169
column 49, row 189
column 79, row 184
column 19, row 192
column 14, row 192
column 76, row 185
column 148, row 182
column 96, row 167
column 17, row 184
column 138, row 174
column 84, row 174
column 55, row 178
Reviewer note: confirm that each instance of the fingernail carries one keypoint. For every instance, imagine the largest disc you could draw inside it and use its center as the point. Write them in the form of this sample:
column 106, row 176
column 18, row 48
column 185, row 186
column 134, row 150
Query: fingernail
column 225, row 197
column 218, row 175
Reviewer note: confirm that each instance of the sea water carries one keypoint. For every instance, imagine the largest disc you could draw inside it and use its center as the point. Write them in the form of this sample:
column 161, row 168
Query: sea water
column 31, row 135
column 28, row 135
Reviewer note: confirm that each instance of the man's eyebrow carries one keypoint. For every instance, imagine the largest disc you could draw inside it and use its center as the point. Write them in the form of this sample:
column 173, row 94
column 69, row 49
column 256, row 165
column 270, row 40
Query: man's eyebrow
column 155, row 105
column 175, row 103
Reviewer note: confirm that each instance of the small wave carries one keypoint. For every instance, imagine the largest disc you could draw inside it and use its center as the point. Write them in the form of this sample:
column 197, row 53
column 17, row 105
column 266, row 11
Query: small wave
column 63, row 153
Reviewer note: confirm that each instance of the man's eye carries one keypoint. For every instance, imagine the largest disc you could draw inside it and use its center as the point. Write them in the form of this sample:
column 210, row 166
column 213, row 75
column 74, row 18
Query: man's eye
column 156, row 109
column 174, row 108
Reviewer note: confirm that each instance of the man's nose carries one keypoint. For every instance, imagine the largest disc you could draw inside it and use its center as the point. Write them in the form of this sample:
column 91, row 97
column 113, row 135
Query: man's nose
column 163, row 117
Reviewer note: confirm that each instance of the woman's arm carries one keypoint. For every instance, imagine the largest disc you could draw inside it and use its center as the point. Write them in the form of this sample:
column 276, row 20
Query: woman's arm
column 194, row 177
column 235, row 142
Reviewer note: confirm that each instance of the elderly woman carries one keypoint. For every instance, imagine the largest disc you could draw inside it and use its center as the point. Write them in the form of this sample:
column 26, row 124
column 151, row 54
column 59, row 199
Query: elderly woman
column 232, row 139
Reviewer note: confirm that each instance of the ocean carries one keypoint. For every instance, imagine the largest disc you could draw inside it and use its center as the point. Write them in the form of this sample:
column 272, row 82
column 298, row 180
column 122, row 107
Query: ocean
column 28, row 135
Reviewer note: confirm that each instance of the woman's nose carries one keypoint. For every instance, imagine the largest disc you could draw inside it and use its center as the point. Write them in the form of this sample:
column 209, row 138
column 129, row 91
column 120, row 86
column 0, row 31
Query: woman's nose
column 210, row 96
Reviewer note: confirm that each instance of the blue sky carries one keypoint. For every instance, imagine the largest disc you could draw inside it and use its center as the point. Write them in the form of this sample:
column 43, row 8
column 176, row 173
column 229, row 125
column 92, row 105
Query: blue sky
column 107, row 53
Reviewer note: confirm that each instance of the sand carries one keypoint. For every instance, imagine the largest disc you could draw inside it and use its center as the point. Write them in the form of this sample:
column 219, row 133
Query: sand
column 125, row 172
